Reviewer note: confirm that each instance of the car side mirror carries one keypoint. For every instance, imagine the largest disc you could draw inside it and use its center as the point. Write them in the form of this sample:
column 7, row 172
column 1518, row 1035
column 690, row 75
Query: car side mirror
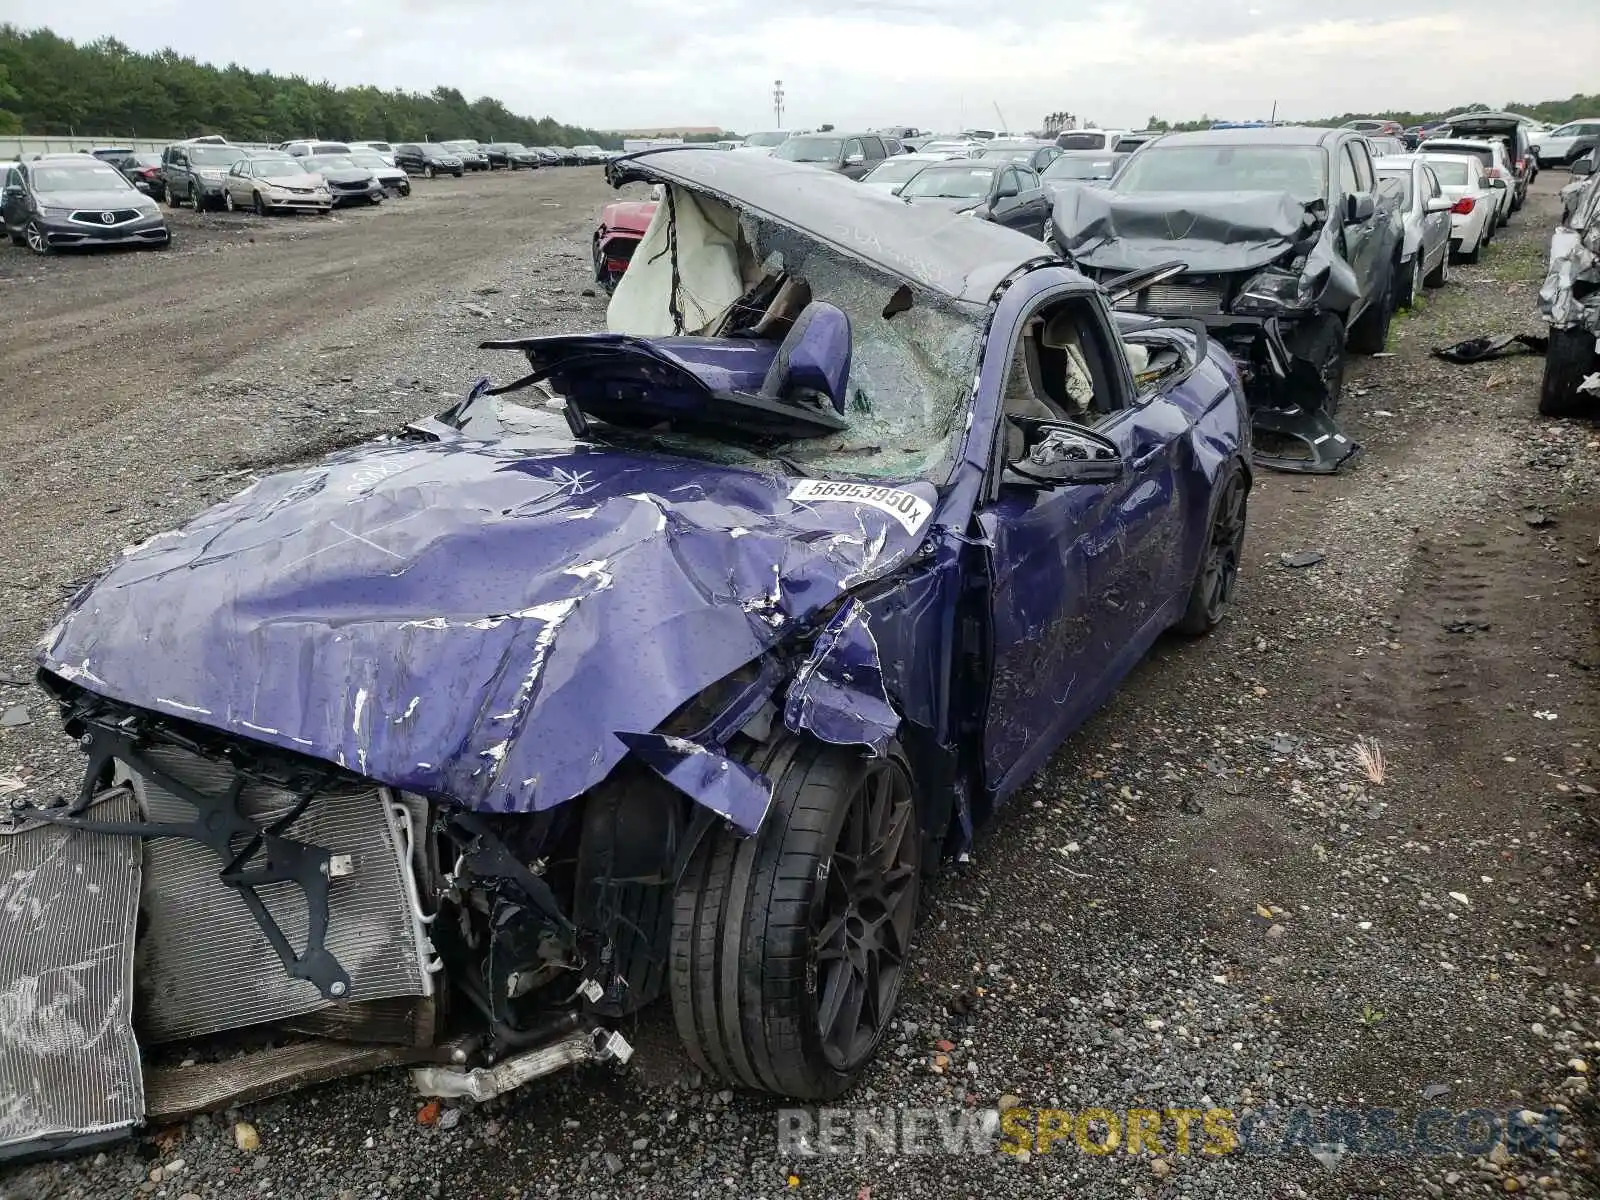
column 1583, row 166
column 1064, row 455
column 1006, row 190
column 1358, row 207
column 1440, row 204
column 854, row 160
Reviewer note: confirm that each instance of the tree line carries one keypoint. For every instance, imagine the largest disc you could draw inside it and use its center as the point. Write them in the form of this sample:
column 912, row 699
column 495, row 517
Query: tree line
column 50, row 85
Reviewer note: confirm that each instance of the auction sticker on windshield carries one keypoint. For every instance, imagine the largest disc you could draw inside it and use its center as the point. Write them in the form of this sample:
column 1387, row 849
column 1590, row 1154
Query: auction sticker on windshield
column 910, row 509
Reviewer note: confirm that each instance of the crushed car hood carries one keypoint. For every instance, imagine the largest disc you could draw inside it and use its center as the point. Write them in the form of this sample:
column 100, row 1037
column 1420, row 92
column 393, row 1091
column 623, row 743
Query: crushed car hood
column 1208, row 231
column 476, row 621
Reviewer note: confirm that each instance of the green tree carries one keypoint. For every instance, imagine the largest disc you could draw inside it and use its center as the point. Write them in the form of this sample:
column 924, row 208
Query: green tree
column 49, row 85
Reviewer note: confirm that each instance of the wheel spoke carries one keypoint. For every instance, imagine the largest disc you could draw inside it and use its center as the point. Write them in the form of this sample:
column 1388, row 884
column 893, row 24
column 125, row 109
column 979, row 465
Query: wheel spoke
column 835, row 989
column 849, row 1016
column 871, row 993
column 830, row 940
column 886, row 854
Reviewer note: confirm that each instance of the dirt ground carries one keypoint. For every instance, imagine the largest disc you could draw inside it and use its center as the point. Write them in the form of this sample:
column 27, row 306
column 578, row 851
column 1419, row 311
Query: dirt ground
column 1204, row 900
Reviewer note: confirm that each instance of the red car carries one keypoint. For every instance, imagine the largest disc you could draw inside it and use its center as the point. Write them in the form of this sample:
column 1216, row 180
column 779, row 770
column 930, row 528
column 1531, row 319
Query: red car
column 621, row 229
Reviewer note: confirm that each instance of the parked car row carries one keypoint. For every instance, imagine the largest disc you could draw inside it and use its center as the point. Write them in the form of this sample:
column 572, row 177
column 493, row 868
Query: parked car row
column 1296, row 245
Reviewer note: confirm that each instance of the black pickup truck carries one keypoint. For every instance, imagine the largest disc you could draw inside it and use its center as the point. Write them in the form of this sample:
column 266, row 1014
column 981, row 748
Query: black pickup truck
column 1288, row 243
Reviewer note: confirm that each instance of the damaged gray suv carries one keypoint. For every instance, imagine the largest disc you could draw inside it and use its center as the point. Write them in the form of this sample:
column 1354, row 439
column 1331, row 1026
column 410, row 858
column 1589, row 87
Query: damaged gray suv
column 1288, row 244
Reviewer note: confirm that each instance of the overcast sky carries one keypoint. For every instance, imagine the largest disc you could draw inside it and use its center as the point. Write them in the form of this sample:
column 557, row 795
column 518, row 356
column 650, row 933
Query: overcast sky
column 931, row 63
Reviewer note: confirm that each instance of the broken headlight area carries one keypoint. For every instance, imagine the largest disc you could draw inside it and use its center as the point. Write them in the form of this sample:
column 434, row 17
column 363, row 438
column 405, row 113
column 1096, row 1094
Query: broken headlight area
column 1274, row 291
column 201, row 890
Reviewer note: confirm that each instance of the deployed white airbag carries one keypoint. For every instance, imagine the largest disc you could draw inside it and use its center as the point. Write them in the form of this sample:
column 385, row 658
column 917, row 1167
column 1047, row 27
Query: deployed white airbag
column 708, row 269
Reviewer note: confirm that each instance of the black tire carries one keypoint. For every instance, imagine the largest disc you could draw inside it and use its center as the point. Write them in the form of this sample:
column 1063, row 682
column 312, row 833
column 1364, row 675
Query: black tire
column 259, row 203
column 1405, row 296
column 771, row 932
column 1218, row 570
column 1370, row 333
column 227, row 200
column 428, row 172
column 167, row 195
column 16, row 237
column 1467, row 257
column 34, row 238
column 197, row 198
column 1440, row 275
column 1568, row 361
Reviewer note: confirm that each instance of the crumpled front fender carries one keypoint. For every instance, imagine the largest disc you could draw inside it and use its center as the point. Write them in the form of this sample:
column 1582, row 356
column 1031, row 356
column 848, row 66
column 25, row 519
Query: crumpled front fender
column 1571, row 263
column 838, row 695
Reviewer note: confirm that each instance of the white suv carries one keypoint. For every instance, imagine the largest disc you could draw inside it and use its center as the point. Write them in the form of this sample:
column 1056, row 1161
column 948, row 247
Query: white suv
column 1557, row 146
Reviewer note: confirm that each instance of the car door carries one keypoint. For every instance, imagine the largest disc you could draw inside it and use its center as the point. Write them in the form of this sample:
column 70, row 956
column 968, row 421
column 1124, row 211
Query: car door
column 1081, row 578
column 1435, row 225
column 853, row 159
column 237, row 182
column 1360, row 234
column 11, row 198
column 1033, row 199
column 1005, row 206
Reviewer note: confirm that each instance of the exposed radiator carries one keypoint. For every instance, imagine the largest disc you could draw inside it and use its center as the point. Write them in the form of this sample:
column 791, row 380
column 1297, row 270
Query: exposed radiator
column 203, row 964
column 1178, row 297
column 69, row 1064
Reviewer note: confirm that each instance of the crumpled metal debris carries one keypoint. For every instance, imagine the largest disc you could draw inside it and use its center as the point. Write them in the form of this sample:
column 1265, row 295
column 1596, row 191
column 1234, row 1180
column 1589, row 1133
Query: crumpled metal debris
column 1480, row 349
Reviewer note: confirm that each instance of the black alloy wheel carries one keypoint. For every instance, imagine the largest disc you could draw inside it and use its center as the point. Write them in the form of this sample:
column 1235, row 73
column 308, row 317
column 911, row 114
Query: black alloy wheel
column 1219, row 560
column 789, row 947
column 865, row 914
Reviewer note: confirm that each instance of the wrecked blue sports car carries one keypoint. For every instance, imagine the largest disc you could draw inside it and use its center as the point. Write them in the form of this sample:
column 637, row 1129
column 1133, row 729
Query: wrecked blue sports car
column 669, row 667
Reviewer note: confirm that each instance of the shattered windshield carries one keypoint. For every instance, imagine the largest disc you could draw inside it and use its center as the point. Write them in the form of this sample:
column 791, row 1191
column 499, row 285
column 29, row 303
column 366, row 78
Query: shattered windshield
column 810, row 149
column 906, row 395
column 1299, row 170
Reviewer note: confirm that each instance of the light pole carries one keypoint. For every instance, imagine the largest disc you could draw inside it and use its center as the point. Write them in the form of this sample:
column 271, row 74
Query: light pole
column 777, row 101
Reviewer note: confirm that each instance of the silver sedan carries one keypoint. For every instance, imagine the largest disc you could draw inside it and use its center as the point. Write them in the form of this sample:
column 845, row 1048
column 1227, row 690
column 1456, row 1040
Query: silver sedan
column 275, row 182
column 1425, row 214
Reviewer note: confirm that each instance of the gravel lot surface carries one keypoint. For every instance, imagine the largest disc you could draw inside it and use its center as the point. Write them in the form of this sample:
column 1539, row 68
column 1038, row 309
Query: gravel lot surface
column 1203, row 900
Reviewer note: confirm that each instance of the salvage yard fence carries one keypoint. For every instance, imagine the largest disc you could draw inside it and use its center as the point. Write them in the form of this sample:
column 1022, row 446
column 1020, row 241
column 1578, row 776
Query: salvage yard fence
column 14, row 148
